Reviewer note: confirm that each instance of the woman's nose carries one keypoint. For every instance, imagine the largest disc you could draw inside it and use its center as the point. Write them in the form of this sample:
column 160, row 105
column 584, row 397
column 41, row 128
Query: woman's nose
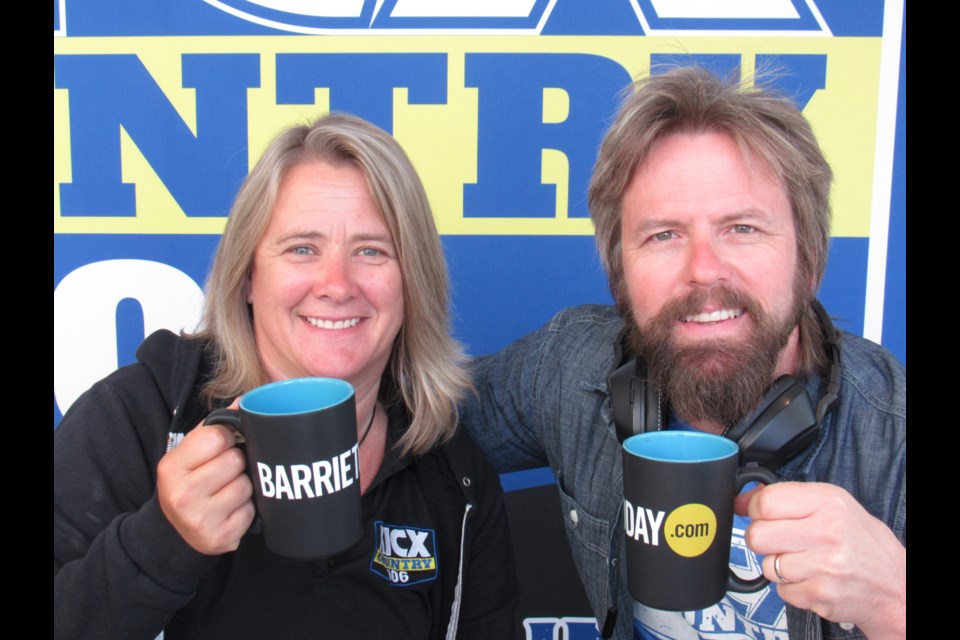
column 334, row 278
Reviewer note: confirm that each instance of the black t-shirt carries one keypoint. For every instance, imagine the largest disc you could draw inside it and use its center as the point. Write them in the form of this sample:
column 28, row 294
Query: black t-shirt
column 385, row 586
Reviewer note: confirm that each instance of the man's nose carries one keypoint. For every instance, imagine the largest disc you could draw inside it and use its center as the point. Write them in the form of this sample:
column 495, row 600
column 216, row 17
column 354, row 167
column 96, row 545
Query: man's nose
column 335, row 278
column 707, row 262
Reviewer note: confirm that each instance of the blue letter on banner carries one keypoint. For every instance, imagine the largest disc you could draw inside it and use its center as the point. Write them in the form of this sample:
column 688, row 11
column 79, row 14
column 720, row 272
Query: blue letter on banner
column 512, row 133
column 363, row 83
column 202, row 171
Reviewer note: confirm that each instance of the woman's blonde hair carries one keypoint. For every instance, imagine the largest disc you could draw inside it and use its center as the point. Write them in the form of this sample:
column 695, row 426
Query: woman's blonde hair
column 425, row 370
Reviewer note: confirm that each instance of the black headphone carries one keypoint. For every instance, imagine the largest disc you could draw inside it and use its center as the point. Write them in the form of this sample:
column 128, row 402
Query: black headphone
column 782, row 424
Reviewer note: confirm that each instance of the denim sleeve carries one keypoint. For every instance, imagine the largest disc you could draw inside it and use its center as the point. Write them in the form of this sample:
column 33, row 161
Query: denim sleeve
column 503, row 416
column 868, row 433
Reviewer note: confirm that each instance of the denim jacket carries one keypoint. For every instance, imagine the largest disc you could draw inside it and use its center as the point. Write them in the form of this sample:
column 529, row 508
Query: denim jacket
column 544, row 401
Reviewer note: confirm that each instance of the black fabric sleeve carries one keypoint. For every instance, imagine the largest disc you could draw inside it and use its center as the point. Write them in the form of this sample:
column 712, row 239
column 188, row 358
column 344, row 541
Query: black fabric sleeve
column 120, row 570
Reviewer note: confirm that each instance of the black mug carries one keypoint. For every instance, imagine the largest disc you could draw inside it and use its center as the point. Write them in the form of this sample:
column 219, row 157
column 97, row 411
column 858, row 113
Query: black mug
column 678, row 493
column 300, row 438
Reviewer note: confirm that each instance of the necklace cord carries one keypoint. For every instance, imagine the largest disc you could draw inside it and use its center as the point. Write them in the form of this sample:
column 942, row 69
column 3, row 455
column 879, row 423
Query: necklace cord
column 366, row 431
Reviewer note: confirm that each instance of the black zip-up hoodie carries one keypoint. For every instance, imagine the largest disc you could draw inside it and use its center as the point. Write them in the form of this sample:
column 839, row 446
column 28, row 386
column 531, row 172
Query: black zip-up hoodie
column 122, row 571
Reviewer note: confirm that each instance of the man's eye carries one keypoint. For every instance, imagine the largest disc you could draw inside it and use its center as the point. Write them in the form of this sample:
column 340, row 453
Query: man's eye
column 663, row 235
column 743, row 228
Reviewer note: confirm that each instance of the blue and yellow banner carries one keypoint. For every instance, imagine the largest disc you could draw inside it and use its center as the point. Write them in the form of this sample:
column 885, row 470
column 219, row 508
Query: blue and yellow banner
column 162, row 106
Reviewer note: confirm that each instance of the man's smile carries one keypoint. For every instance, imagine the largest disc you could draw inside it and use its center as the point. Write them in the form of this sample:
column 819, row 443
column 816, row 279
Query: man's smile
column 713, row 316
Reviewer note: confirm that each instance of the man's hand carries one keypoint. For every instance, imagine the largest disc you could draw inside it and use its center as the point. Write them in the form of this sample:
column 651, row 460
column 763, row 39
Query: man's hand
column 835, row 558
column 204, row 492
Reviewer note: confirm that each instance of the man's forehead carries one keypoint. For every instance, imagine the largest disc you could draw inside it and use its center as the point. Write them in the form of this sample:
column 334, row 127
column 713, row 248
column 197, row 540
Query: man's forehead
column 692, row 176
column 700, row 160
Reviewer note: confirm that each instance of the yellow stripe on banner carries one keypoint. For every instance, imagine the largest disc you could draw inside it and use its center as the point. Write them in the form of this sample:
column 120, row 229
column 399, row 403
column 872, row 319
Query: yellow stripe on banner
column 442, row 139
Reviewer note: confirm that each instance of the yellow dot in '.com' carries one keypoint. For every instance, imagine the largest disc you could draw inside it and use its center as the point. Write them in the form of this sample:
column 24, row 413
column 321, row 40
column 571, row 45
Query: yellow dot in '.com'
column 690, row 529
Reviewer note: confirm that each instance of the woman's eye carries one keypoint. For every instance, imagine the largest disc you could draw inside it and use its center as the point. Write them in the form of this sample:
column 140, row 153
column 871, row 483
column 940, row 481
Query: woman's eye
column 370, row 252
column 301, row 251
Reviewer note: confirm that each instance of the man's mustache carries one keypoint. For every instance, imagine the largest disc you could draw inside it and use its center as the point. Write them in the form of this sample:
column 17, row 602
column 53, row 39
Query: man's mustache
column 697, row 300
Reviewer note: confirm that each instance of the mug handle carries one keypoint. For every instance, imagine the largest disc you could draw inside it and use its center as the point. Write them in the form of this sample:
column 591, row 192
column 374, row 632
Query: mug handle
column 745, row 475
column 229, row 417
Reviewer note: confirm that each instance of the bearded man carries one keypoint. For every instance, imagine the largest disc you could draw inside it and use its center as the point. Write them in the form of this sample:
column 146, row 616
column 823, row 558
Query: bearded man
column 711, row 209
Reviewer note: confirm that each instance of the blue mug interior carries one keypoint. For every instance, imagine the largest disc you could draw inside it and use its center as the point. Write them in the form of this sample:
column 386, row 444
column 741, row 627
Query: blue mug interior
column 680, row 446
column 299, row 395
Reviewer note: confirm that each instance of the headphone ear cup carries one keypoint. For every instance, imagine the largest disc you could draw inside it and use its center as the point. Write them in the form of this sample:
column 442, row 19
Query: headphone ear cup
column 774, row 391
column 620, row 385
column 635, row 400
column 647, row 414
column 783, row 423
column 652, row 415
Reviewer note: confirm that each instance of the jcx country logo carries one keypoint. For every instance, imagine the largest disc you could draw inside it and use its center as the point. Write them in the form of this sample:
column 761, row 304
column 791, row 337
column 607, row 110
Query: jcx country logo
column 405, row 555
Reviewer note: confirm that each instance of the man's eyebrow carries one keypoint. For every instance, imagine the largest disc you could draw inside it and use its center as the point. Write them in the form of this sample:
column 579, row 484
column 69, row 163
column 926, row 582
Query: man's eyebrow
column 655, row 223
column 747, row 215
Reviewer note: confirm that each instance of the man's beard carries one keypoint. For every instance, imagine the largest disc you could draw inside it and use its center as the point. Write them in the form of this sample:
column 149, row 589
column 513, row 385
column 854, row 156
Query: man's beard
column 715, row 380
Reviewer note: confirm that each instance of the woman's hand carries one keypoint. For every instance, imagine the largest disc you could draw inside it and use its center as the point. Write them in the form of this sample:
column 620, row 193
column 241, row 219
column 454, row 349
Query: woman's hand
column 204, row 492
